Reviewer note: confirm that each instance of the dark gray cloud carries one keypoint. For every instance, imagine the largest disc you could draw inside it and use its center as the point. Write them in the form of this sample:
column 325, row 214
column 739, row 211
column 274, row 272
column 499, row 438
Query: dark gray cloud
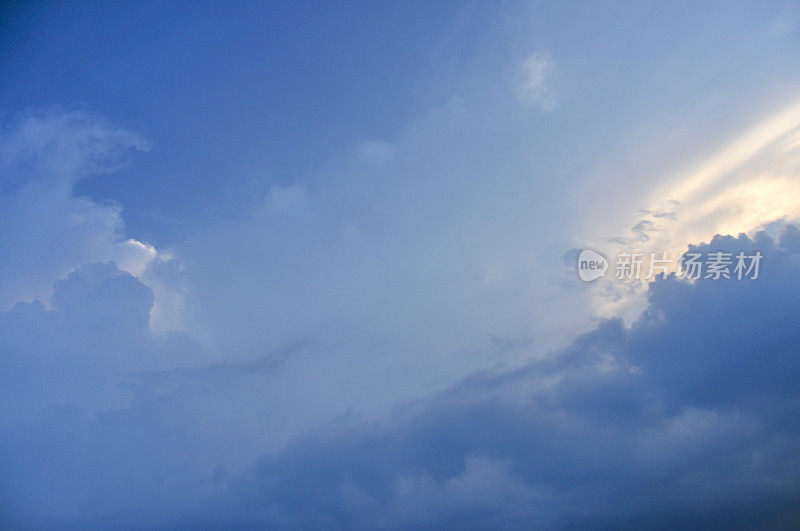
column 689, row 417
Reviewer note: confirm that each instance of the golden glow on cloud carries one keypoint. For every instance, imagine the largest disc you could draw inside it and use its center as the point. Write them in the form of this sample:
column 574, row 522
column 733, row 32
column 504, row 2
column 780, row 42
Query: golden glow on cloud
column 750, row 183
column 753, row 181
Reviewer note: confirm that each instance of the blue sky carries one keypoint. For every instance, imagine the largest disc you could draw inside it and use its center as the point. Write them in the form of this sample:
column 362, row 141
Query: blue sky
column 312, row 264
column 227, row 93
column 235, row 96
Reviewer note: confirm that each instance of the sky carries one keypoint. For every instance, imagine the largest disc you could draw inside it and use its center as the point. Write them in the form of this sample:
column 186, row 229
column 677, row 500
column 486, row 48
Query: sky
column 313, row 264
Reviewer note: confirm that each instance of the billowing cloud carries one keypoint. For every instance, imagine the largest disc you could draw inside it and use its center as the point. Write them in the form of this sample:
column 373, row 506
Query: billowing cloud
column 688, row 417
column 45, row 230
column 747, row 185
column 386, row 336
column 97, row 328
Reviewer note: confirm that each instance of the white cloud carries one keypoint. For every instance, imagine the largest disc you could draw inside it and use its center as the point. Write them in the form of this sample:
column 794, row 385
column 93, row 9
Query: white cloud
column 45, row 231
column 54, row 145
column 534, row 73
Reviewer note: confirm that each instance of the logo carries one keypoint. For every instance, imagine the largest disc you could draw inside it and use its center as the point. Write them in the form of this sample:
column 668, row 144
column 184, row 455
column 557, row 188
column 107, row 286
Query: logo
column 591, row 265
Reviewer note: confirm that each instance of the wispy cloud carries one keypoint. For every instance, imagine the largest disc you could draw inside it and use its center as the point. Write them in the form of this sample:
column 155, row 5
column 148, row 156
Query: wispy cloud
column 532, row 87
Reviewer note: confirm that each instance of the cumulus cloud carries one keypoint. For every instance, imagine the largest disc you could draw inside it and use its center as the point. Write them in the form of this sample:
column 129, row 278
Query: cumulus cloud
column 377, row 284
column 688, row 417
column 46, row 231
column 97, row 328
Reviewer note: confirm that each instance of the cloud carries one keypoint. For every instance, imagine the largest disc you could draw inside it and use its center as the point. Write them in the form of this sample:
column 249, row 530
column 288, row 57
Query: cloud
column 387, row 280
column 404, row 266
column 97, row 331
column 46, row 231
column 686, row 418
column 744, row 186
column 54, row 145
column 747, row 185
column 532, row 86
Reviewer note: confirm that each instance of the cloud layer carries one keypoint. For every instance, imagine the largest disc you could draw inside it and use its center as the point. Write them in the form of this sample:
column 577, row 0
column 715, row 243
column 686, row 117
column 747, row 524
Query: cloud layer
column 688, row 417
column 358, row 239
